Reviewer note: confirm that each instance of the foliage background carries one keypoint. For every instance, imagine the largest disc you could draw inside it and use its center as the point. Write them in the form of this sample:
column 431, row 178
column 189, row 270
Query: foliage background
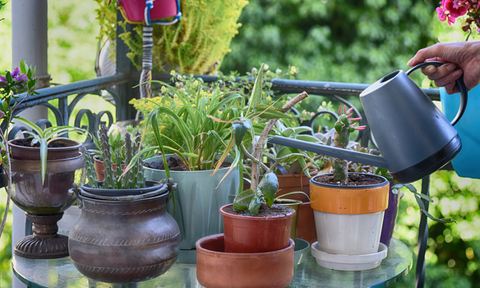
column 340, row 41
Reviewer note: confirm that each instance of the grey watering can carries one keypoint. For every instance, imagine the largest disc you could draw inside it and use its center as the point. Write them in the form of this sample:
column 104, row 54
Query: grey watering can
column 414, row 138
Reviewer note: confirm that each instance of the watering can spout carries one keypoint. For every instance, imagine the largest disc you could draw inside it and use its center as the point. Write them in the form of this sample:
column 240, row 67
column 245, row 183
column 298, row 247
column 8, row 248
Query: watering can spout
column 350, row 155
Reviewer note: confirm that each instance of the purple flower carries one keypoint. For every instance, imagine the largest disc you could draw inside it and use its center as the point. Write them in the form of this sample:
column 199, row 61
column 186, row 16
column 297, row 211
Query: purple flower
column 19, row 77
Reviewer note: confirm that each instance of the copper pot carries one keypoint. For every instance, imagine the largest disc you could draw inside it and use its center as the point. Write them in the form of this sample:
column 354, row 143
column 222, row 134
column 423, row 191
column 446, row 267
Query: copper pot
column 125, row 239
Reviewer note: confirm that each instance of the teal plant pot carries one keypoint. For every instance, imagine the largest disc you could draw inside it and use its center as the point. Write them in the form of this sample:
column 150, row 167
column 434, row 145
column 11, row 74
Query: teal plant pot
column 197, row 200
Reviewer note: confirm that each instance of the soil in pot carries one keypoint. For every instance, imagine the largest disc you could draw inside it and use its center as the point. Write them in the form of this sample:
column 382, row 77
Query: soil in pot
column 353, row 179
column 174, row 164
column 264, row 211
column 22, row 149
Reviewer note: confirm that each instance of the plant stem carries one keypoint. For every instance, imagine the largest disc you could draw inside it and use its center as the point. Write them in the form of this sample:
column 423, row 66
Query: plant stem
column 257, row 152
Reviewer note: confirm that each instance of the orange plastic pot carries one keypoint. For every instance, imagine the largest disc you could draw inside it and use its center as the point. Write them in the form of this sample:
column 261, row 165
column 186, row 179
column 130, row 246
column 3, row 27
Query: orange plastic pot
column 250, row 234
column 99, row 168
column 217, row 268
column 306, row 220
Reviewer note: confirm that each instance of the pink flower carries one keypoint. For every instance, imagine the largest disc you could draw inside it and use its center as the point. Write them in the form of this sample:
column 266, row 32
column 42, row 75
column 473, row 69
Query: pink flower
column 454, row 9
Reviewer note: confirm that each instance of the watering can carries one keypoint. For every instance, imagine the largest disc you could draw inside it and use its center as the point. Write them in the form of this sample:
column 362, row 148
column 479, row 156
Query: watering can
column 414, row 138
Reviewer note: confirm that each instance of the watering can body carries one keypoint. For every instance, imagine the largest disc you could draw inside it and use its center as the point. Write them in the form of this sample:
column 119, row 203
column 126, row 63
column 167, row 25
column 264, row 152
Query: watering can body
column 414, row 138
column 412, row 134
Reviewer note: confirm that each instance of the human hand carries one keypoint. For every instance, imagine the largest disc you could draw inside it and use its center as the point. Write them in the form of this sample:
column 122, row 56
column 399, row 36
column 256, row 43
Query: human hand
column 461, row 58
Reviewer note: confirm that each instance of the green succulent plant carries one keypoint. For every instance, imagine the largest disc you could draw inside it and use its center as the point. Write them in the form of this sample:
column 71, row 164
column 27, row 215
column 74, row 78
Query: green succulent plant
column 121, row 152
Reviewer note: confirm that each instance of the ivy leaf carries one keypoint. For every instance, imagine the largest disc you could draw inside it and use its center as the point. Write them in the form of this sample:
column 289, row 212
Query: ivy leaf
column 243, row 199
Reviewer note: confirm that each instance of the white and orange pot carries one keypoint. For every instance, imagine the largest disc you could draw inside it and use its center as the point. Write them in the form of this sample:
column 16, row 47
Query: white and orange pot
column 348, row 219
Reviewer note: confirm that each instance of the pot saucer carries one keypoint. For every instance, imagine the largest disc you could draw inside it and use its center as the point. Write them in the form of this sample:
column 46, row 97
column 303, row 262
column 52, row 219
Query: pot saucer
column 349, row 262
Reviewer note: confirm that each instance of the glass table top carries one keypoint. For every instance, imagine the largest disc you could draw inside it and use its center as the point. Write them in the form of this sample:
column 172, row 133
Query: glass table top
column 53, row 273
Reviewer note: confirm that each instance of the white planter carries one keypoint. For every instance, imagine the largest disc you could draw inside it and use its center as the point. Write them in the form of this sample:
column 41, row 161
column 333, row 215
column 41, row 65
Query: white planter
column 348, row 234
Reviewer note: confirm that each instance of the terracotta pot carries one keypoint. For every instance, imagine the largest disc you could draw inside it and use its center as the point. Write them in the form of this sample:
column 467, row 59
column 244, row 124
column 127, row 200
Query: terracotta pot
column 217, row 268
column 124, row 239
column 99, row 168
column 250, row 234
column 306, row 221
column 349, row 219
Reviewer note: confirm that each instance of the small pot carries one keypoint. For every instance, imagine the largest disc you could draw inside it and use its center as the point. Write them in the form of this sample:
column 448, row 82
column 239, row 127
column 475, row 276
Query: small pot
column 250, row 234
column 99, row 168
column 217, row 268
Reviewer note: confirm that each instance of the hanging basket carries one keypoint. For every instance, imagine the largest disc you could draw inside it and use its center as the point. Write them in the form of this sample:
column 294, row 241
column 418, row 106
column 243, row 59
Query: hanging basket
column 149, row 12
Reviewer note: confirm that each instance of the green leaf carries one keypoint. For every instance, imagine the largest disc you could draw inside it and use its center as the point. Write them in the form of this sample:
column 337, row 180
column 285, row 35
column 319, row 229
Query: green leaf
column 271, row 113
column 240, row 130
column 23, row 67
column 441, row 220
column 243, row 199
column 269, row 187
column 43, row 157
column 256, row 96
column 411, row 187
column 307, row 138
column 254, row 205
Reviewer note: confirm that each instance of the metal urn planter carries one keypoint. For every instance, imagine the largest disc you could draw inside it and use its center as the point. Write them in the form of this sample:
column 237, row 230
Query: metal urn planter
column 44, row 203
column 124, row 238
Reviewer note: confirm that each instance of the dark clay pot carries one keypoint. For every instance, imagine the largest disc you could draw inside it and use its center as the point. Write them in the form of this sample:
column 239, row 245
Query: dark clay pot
column 53, row 196
column 124, row 241
column 250, row 234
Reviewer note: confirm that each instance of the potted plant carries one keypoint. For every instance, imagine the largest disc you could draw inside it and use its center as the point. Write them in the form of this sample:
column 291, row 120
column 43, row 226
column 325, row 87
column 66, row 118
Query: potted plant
column 256, row 232
column 43, row 169
column 124, row 233
column 14, row 82
column 195, row 126
column 294, row 168
column 196, row 44
column 348, row 208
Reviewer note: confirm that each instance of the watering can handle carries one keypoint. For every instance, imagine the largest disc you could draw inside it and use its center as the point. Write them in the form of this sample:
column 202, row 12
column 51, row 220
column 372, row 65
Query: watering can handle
column 461, row 86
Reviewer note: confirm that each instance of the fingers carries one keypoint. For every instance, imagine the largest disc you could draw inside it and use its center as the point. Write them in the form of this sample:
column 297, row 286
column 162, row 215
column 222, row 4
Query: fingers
column 444, row 76
column 433, row 52
column 451, row 88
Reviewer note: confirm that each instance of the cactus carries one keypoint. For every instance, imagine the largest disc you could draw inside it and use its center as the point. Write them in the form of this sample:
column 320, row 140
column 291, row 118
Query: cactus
column 112, row 154
column 90, row 169
column 343, row 127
